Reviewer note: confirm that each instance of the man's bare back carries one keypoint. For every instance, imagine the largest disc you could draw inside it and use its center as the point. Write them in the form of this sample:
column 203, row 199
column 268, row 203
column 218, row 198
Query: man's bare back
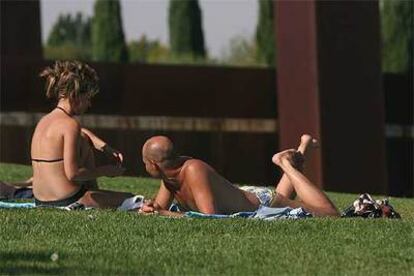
column 201, row 188
column 191, row 182
column 198, row 187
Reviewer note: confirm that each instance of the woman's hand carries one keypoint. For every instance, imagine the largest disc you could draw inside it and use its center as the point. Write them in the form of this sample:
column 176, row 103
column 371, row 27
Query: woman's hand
column 113, row 153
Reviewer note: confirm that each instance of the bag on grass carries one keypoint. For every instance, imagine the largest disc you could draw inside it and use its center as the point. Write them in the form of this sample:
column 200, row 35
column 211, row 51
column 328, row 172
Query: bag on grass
column 365, row 206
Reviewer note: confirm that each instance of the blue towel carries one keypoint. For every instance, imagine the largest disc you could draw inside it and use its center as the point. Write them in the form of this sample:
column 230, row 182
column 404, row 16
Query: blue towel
column 265, row 213
column 12, row 205
column 268, row 213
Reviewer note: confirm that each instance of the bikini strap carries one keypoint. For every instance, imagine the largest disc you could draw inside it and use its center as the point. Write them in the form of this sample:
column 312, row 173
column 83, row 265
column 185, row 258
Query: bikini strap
column 64, row 111
column 47, row 161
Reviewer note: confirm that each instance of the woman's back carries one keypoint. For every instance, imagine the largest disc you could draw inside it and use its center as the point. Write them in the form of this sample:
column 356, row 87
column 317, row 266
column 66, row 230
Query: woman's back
column 55, row 142
column 47, row 153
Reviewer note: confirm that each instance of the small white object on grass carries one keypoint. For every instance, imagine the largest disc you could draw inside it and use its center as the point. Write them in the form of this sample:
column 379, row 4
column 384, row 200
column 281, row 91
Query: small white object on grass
column 54, row 257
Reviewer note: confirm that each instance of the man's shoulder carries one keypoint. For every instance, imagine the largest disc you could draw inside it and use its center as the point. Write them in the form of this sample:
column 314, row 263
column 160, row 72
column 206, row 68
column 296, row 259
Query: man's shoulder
column 197, row 172
column 196, row 166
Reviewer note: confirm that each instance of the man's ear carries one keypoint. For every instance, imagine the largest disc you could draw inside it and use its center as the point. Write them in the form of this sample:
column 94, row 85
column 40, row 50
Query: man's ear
column 154, row 164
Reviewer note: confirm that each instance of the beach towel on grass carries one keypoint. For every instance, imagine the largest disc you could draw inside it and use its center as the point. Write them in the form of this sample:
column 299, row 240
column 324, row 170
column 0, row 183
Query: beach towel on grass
column 15, row 205
column 132, row 203
column 264, row 213
column 29, row 205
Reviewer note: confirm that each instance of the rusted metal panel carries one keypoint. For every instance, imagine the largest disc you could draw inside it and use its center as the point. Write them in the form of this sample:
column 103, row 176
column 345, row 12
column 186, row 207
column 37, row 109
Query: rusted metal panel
column 297, row 78
column 137, row 89
column 241, row 157
column 329, row 84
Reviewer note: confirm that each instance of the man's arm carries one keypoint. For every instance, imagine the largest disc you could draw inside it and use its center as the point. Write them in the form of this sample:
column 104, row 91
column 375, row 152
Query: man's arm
column 164, row 198
column 162, row 201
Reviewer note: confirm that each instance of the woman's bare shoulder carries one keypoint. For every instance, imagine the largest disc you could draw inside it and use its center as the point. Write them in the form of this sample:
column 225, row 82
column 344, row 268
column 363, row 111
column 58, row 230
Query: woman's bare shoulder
column 61, row 123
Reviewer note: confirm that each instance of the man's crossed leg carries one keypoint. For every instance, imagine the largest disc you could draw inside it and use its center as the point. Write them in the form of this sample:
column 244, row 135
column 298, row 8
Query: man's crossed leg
column 310, row 196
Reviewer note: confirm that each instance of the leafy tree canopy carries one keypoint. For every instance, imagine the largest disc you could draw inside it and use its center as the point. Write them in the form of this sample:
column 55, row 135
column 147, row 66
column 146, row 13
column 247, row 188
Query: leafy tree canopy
column 397, row 22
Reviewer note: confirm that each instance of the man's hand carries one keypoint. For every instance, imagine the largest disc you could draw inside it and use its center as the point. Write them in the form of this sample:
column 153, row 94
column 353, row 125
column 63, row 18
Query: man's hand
column 148, row 206
column 113, row 154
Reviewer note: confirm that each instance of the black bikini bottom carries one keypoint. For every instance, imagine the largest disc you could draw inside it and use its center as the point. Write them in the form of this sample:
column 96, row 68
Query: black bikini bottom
column 62, row 202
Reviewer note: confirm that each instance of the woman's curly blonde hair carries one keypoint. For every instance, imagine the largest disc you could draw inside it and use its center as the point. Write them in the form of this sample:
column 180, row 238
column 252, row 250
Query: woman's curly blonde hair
column 69, row 79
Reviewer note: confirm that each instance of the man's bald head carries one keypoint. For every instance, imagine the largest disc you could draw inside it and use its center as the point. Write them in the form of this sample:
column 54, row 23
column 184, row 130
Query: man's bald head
column 158, row 149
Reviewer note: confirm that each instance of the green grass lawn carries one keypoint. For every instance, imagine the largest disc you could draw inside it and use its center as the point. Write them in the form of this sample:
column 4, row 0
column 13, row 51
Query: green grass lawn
column 110, row 242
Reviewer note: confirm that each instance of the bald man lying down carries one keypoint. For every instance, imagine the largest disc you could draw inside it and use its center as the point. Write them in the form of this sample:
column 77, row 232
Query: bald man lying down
column 196, row 186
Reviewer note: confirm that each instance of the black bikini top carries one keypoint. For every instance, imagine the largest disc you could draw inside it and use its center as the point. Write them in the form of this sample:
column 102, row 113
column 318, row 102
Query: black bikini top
column 47, row 161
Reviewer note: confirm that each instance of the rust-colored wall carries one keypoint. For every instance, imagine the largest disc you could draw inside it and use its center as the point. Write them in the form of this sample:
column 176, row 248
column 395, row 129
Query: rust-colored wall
column 144, row 90
column 126, row 89
column 298, row 79
column 239, row 156
column 20, row 29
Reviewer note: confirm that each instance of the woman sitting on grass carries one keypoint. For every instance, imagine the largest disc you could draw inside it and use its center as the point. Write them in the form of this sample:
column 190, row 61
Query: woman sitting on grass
column 61, row 155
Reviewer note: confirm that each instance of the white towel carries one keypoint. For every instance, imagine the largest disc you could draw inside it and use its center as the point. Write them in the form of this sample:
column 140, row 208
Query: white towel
column 132, row 203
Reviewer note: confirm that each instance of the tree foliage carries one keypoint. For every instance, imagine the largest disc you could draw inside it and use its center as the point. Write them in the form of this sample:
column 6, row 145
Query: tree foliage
column 265, row 34
column 70, row 30
column 69, row 38
column 397, row 22
column 185, row 29
column 147, row 51
column 108, row 42
column 241, row 51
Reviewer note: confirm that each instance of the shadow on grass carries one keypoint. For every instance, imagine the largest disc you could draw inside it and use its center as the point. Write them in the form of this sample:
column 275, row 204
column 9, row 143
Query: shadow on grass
column 29, row 263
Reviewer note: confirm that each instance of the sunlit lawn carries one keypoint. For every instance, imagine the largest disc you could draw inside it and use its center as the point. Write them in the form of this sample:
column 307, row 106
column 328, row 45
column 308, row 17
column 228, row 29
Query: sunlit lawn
column 111, row 242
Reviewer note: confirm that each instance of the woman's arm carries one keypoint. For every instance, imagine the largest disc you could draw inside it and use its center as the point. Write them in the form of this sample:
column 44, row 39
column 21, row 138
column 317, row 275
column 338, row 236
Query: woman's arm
column 97, row 142
column 70, row 148
column 101, row 145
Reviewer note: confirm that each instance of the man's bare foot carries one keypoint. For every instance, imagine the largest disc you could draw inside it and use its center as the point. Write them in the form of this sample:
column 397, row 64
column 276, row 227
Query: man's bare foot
column 307, row 142
column 280, row 157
